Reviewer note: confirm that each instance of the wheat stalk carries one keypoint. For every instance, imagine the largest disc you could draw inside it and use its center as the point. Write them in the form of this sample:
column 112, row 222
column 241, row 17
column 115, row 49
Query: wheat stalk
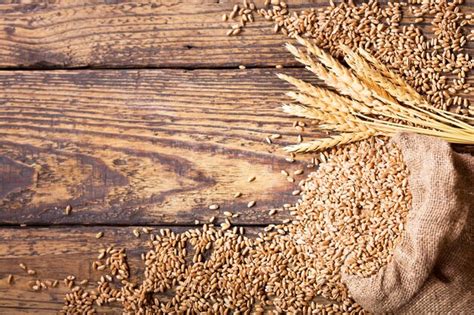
column 365, row 79
column 384, row 82
column 373, row 100
column 347, row 83
column 391, row 128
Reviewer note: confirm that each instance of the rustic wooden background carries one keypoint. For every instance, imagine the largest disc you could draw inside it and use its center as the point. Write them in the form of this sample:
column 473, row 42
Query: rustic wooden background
column 134, row 114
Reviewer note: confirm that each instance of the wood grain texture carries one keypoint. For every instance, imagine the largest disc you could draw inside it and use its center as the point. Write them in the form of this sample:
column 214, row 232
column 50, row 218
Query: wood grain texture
column 143, row 146
column 117, row 34
column 55, row 253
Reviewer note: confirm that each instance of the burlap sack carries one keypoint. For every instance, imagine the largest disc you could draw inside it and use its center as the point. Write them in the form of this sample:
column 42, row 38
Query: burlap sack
column 432, row 270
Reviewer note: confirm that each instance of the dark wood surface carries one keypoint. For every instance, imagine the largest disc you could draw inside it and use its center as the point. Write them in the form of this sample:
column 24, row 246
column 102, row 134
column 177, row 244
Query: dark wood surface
column 142, row 146
column 135, row 114
column 141, row 34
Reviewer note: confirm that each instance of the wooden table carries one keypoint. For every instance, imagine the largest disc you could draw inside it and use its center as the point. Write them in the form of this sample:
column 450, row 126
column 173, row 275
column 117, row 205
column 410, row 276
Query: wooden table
column 133, row 114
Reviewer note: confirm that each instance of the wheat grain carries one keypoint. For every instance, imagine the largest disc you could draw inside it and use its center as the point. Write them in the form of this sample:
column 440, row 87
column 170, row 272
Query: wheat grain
column 136, row 232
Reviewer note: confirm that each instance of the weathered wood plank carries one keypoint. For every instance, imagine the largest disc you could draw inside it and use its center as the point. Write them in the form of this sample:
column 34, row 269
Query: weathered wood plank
column 143, row 146
column 119, row 34
column 146, row 34
column 55, row 253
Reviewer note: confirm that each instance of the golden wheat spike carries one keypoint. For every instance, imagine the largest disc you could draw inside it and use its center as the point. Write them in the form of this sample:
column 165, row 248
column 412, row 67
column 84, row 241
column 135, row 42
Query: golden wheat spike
column 334, row 117
column 337, row 101
column 409, row 95
column 379, row 85
column 377, row 107
column 335, row 122
column 326, row 143
column 348, row 83
column 370, row 92
column 321, row 72
column 405, row 93
column 342, row 80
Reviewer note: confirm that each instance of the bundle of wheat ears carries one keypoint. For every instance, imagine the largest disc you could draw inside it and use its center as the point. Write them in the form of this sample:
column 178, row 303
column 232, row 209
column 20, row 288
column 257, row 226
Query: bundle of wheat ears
column 371, row 100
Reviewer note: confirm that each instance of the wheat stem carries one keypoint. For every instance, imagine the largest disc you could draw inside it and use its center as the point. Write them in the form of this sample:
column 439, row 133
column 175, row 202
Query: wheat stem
column 454, row 120
column 454, row 114
column 386, row 125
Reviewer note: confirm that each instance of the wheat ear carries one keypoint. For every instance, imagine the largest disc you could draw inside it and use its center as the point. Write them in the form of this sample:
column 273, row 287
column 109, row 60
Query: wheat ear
column 342, row 103
column 408, row 94
column 336, row 75
column 374, row 97
column 325, row 143
column 334, row 122
column 355, row 90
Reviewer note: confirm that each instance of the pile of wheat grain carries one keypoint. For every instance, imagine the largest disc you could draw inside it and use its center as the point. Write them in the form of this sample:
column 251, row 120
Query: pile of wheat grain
column 355, row 204
column 350, row 215
column 437, row 65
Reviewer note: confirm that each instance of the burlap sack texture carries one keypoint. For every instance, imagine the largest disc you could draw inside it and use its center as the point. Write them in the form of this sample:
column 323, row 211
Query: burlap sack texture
column 432, row 269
